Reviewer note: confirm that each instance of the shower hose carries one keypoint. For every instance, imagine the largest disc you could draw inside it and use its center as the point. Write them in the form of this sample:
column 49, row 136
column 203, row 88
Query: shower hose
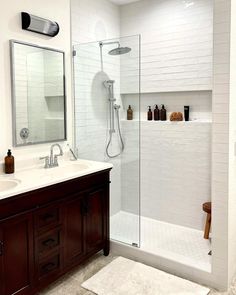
column 120, row 137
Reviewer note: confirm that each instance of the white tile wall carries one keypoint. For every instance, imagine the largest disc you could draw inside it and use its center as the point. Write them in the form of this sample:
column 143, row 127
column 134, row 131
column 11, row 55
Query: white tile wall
column 175, row 169
column 176, row 44
column 220, row 146
column 95, row 20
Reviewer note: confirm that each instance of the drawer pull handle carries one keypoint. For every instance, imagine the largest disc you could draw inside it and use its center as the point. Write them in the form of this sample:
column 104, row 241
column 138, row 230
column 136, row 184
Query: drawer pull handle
column 1, row 248
column 48, row 266
column 49, row 242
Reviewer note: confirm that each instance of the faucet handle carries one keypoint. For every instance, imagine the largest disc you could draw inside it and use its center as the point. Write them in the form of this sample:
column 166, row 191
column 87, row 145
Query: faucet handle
column 46, row 161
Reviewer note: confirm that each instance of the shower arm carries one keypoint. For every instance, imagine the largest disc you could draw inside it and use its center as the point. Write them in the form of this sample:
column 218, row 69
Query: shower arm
column 109, row 43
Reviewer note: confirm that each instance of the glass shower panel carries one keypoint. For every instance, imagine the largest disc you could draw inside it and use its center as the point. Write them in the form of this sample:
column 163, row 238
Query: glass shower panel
column 106, row 82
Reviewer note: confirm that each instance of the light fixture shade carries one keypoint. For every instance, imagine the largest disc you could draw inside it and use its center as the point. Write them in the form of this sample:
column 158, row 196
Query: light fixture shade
column 39, row 25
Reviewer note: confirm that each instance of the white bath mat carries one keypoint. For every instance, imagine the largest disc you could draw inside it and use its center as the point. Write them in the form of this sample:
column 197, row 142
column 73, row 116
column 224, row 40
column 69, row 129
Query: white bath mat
column 127, row 277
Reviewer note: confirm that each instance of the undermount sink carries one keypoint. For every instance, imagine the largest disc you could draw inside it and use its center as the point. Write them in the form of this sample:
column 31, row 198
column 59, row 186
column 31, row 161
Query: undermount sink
column 7, row 184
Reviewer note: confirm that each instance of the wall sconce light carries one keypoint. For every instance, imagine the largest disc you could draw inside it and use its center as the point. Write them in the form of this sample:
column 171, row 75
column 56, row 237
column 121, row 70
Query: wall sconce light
column 39, row 25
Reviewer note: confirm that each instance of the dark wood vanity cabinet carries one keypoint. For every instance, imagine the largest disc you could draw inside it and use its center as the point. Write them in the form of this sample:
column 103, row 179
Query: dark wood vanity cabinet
column 46, row 232
column 16, row 255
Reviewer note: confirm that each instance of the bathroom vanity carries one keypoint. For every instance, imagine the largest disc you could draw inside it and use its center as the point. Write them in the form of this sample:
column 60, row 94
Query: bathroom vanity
column 46, row 231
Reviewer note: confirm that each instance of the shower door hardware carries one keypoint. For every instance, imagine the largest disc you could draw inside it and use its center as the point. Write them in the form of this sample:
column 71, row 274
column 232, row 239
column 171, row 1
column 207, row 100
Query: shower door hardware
column 1, row 248
column 74, row 52
column 135, row 245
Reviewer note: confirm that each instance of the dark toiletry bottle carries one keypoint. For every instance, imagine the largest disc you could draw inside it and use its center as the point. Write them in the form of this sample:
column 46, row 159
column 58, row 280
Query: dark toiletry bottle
column 9, row 163
column 129, row 113
column 186, row 113
column 149, row 114
column 163, row 113
column 156, row 113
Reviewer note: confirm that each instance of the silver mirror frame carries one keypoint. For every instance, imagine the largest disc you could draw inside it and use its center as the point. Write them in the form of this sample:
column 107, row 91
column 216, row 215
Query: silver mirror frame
column 13, row 93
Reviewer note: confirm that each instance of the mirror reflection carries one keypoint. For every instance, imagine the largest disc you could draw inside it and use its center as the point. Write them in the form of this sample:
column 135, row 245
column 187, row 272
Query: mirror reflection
column 38, row 92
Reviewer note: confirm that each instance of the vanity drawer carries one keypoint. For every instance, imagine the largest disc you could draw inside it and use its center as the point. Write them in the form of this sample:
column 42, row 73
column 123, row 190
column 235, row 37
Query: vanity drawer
column 46, row 218
column 49, row 266
column 48, row 242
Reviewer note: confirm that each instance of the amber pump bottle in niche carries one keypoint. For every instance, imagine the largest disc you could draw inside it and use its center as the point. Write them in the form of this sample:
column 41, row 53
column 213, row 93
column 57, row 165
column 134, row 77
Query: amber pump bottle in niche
column 149, row 114
column 156, row 113
column 129, row 113
column 9, row 163
column 163, row 113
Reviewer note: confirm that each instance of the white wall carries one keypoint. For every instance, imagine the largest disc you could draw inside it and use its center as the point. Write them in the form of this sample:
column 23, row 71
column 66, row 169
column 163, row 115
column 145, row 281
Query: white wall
column 176, row 43
column 10, row 23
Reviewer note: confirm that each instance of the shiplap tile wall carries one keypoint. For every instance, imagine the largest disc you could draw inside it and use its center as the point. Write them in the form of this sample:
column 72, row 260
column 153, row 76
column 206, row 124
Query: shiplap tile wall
column 220, row 142
column 176, row 63
column 176, row 43
column 95, row 20
column 175, row 169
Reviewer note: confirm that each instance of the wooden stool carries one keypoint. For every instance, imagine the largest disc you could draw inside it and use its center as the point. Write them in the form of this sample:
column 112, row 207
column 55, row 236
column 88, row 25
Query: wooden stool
column 207, row 208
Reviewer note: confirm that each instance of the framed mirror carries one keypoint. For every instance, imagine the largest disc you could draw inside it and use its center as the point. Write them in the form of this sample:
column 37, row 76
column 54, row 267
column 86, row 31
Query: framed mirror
column 38, row 94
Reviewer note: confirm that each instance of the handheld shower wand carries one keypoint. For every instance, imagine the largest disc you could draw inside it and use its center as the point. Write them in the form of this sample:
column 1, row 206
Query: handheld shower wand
column 113, row 109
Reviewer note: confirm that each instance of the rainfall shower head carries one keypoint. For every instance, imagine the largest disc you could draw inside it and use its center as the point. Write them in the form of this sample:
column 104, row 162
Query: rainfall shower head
column 116, row 51
column 119, row 50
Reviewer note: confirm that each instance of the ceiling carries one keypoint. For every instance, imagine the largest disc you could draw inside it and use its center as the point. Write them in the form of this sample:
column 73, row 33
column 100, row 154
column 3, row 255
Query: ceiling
column 122, row 2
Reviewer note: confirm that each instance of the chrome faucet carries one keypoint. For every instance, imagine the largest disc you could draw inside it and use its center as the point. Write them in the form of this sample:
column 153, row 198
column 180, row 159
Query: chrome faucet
column 52, row 161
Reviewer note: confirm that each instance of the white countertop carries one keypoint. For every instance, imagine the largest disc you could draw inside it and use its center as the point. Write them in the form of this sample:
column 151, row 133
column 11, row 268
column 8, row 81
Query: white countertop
column 34, row 178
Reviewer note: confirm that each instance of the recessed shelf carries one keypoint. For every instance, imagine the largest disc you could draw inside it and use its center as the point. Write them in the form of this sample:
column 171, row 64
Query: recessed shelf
column 170, row 122
column 55, row 118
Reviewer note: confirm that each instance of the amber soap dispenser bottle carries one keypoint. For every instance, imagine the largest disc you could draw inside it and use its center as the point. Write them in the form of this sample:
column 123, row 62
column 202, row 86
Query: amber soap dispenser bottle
column 149, row 114
column 129, row 113
column 9, row 163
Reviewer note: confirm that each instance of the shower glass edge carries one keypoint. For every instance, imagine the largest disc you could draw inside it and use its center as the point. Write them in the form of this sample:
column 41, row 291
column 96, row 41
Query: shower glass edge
column 92, row 66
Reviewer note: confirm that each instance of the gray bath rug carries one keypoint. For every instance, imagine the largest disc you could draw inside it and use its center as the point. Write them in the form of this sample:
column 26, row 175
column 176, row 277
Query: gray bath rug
column 123, row 276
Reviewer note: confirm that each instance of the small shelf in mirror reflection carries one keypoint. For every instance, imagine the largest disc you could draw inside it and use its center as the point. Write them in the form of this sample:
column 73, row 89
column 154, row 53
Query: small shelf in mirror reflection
column 55, row 118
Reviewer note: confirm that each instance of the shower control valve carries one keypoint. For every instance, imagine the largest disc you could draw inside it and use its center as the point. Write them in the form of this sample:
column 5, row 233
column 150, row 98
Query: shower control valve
column 116, row 106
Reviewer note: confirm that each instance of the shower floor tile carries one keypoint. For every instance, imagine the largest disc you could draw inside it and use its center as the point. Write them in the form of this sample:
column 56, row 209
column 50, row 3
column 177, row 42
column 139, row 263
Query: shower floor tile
column 178, row 243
